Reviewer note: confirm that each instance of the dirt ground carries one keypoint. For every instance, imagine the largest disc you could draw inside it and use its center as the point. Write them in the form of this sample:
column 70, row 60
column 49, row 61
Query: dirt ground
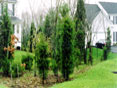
column 29, row 81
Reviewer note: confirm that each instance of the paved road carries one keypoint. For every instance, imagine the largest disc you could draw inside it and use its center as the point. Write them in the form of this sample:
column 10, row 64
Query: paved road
column 114, row 49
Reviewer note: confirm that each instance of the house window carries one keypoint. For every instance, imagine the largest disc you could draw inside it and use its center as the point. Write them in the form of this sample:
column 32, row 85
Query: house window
column 10, row 10
column 114, row 19
column 114, row 36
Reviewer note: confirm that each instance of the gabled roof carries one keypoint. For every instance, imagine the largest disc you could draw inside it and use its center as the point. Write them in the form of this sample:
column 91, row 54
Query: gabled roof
column 15, row 20
column 110, row 7
column 92, row 10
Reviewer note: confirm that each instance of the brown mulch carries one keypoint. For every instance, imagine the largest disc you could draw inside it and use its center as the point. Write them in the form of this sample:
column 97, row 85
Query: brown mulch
column 29, row 81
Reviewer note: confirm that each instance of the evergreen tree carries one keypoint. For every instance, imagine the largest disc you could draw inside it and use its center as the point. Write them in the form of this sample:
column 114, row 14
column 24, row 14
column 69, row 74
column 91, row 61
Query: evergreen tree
column 6, row 31
column 56, row 52
column 80, row 13
column 108, row 40
column 49, row 25
column 106, row 48
column 80, row 18
column 33, row 29
column 79, row 45
column 56, row 39
column 41, row 55
column 67, row 47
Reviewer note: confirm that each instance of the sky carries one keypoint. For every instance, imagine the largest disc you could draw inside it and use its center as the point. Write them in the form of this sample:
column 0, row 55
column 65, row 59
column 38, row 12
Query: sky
column 41, row 6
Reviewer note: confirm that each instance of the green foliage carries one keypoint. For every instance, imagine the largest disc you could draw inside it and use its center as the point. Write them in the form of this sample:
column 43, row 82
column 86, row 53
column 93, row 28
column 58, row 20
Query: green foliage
column 79, row 43
column 28, row 60
column 80, row 21
column 56, row 53
column 108, row 40
column 6, row 31
column 17, row 70
column 56, row 39
column 64, row 10
column 32, row 35
column 6, row 66
column 41, row 54
column 77, row 57
column 49, row 24
column 55, row 67
column 67, row 47
column 105, row 53
column 106, row 48
column 80, row 12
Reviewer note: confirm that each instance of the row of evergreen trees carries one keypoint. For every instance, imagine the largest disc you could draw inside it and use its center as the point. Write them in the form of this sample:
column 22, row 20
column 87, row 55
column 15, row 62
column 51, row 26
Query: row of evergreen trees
column 67, row 40
column 62, row 37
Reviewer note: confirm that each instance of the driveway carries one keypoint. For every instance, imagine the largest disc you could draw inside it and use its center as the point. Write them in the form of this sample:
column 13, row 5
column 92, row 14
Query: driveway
column 114, row 49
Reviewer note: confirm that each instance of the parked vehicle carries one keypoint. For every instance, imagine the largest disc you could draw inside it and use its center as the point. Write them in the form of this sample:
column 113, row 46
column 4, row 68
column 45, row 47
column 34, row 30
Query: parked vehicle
column 101, row 43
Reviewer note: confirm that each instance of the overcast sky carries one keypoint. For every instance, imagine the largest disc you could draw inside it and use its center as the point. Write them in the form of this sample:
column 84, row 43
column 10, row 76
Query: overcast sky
column 23, row 6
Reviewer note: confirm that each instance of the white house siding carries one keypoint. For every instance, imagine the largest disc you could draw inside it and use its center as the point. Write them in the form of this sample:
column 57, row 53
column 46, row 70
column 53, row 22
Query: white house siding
column 99, row 27
column 18, row 33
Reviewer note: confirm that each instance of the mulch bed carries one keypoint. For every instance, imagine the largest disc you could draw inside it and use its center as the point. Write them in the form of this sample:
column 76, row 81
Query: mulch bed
column 29, row 81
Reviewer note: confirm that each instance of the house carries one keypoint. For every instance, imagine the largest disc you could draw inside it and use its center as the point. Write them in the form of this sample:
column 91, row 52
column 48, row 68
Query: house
column 101, row 16
column 16, row 22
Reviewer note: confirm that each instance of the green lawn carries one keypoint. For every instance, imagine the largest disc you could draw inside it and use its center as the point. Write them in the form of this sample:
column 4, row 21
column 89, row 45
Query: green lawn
column 18, row 56
column 99, row 76
column 2, row 86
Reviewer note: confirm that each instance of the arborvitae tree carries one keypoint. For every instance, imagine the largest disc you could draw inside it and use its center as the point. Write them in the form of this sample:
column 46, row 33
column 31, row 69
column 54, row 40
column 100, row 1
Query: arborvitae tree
column 80, row 18
column 6, row 31
column 41, row 55
column 79, row 45
column 56, row 39
column 56, row 53
column 108, row 40
column 80, row 13
column 106, row 48
column 105, row 53
column 64, row 10
column 31, row 36
column 49, row 25
column 67, row 47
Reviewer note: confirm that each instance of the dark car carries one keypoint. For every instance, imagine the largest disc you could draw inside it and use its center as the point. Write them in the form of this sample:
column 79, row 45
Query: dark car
column 101, row 43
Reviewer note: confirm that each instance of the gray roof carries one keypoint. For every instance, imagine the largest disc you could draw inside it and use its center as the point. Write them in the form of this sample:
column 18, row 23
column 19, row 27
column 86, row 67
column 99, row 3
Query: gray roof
column 92, row 10
column 9, row 1
column 15, row 20
column 110, row 7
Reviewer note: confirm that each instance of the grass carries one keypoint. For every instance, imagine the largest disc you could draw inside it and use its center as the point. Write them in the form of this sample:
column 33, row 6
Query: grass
column 18, row 56
column 2, row 86
column 99, row 76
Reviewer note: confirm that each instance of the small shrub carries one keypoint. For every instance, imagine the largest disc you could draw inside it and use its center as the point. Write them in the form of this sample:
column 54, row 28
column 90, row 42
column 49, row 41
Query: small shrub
column 17, row 70
column 28, row 60
column 6, row 67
